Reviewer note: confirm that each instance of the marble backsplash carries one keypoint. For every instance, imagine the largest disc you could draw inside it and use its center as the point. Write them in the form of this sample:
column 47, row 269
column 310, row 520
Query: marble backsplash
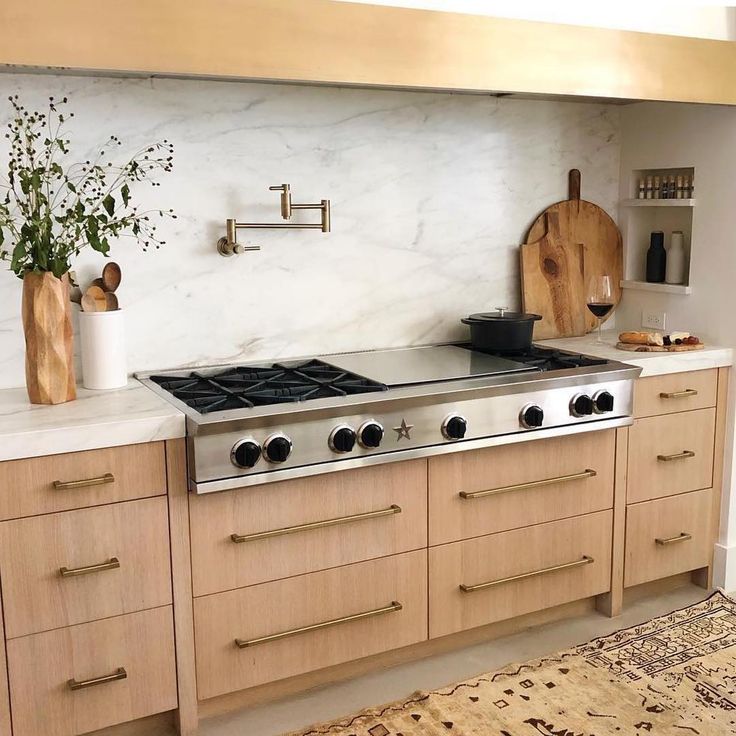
column 431, row 194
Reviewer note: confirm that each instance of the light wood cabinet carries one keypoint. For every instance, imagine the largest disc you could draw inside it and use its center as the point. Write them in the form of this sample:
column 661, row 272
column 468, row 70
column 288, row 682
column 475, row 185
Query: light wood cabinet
column 135, row 652
column 675, row 392
column 512, row 486
column 269, row 532
column 84, row 565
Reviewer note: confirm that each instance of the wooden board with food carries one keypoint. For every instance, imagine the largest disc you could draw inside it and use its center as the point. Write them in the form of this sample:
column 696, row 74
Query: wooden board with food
column 655, row 342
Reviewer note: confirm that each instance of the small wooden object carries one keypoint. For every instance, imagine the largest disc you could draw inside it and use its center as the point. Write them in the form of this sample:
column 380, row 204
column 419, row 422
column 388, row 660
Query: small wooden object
column 111, row 277
column 94, row 300
column 658, row 348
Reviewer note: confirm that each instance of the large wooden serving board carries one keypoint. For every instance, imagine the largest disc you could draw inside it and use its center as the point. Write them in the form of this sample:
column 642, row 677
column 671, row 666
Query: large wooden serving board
column 586, row 223
column 658, row 348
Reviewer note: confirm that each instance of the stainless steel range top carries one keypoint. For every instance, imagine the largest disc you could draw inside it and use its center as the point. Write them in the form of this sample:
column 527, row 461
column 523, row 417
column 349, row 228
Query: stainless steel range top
column 267, row 422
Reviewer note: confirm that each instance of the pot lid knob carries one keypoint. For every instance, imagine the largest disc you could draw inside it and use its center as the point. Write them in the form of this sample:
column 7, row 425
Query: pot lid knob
column 502, row 310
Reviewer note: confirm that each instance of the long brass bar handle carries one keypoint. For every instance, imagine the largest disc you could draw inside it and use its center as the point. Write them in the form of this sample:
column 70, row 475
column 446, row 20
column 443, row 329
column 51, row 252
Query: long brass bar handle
column 71, row 572
column 523, row 576
column 393, row 606
column 588, row 473
column 65, row 485
column 678, row 394
column 119, row 674
column 240, row 538
column 682, row 537
column 676, row 456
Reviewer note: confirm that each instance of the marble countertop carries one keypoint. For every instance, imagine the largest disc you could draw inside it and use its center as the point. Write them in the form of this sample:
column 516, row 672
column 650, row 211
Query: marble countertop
column 96, row 419
column 652, row 364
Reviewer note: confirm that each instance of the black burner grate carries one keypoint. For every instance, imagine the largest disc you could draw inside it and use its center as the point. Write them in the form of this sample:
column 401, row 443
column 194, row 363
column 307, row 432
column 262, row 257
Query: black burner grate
column 548, row 359
column 246, row 386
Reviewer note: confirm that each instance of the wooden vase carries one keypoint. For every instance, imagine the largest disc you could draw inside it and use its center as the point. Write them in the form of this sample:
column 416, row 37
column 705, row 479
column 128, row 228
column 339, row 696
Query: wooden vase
column 47, row 326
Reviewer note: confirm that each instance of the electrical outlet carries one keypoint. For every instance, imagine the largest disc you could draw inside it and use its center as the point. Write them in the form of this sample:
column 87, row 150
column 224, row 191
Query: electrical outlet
column 654, row 320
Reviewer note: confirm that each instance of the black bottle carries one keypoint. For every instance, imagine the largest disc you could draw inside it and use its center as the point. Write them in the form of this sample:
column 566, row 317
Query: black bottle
column 656, row 258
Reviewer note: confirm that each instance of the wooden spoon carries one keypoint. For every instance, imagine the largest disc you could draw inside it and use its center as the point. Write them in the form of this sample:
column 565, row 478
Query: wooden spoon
column 94, row 300
column 111, row 277
column 111, row 302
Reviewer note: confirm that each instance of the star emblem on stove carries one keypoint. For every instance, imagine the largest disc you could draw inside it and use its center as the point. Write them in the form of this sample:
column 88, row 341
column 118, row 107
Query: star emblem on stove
column 403, row 430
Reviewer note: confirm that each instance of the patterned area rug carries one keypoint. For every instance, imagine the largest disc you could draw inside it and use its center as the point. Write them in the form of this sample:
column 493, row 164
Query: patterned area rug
column 673, row 675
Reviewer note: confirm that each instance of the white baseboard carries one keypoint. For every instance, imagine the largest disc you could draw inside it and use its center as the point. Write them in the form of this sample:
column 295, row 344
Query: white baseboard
column 724, row 567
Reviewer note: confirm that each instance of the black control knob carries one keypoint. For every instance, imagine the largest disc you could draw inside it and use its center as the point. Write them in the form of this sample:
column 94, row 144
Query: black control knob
column 342, row 438
column 277, row 448
column 245, row 454
column 603, row 402
column 454, row 427
column 370, row 434
column 581, row 406
column 531, row 416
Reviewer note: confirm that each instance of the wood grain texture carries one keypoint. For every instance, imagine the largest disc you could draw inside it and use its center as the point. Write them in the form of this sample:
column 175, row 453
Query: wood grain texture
column 181, row 577
column 26, row 486
column 452, row 518
column 669, row 434
column 33, row 550
column 511, row 553
column 356, row 44
column 668, row 517
column 47, row 327
column 553, row 282
column 40, row 666
column 270, row 608
column 219, row 564
column 648, row 402
column 584, row 222
column 4, row 694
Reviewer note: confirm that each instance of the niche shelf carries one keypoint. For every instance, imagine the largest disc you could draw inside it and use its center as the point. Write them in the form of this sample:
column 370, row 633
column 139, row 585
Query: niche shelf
column 658, row 202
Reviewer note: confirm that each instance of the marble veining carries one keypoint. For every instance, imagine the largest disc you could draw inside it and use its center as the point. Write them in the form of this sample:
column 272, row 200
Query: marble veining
column 431, row 194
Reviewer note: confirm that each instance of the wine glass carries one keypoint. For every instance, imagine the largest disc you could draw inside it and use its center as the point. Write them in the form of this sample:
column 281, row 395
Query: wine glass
column 600, row 299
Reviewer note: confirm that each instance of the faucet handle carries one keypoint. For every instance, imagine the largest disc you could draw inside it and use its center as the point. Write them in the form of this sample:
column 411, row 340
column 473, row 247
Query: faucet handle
column 285, row 190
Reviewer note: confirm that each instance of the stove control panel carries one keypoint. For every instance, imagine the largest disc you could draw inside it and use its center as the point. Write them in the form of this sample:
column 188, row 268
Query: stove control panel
column 277, row 448
column 342, row 439
column 454, row 427
column 370, row 434
column 603, row 402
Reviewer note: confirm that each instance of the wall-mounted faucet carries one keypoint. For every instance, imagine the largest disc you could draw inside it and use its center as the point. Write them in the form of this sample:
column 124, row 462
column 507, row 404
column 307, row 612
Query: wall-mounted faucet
column 229, row 246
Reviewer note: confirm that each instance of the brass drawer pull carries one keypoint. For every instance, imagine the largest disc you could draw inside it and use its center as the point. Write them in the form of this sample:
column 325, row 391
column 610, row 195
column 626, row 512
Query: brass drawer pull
column 532, row 484
column 65, row 485
column 555, row 568
column 677, row 456
column 683, row 537
column 240, row 538
column 71, row 572
column 678, row 394
column 393, row 606
column 119, row 674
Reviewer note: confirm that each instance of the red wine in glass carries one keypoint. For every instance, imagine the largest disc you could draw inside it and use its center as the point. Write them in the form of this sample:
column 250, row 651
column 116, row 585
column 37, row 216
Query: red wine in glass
column 600, row 309
column 600, row 299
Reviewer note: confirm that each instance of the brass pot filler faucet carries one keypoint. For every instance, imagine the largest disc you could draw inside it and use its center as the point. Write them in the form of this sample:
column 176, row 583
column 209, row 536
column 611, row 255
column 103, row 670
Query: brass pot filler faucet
column 229, row 246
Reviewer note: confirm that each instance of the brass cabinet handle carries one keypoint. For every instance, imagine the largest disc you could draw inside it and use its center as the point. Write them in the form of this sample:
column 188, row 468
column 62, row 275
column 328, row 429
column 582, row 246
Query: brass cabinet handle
column 678, row 394
column 676, row 456
column 682, row 537
column 71, row 572
column 523, row 576
column 65, row 485
column 588, row 473
column 393, row 606
column 240, row 538
column 119, row 674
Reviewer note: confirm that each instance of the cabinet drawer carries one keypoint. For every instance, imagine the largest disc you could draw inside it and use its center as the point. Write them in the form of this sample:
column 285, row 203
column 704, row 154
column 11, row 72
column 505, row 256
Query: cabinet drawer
column 667, row 537
column 269, row 532
column 42, row 667
column 518, row 485
column 115, row 560
column 675, row 392
column 512, row 573
column 43, row 485
column 671, row 454
column 316, row 620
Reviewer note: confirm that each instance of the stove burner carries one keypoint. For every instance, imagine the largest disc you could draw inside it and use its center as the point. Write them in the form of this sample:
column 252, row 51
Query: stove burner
column 548, row 359
column 248, row 386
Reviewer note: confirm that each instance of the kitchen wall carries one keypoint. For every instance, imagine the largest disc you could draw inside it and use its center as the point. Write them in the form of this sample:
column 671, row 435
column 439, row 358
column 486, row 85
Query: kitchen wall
column 431, row 193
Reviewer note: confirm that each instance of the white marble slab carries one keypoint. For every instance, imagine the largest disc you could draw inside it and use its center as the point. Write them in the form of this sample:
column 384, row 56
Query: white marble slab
column 96, row 419
column 652, row 364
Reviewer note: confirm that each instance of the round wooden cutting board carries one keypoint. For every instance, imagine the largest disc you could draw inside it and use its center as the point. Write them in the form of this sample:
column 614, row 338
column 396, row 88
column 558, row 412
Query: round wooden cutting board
column 586, row 223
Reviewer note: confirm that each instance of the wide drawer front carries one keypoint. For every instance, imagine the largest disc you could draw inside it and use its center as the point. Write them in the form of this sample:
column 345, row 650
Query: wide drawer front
column 675, row 392
column 491, row 578
column 269, row 532
column 82, row 678
column 499, row 488
column 671, row 454
column 43, row 485
column 267, row 632
column 84, row 565
column 668, row 536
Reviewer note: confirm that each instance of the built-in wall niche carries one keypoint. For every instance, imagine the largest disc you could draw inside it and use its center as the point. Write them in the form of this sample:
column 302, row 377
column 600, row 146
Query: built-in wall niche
column 639, row 217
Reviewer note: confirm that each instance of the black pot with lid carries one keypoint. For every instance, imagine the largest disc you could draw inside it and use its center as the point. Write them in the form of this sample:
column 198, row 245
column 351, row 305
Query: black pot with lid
column 501, row 331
